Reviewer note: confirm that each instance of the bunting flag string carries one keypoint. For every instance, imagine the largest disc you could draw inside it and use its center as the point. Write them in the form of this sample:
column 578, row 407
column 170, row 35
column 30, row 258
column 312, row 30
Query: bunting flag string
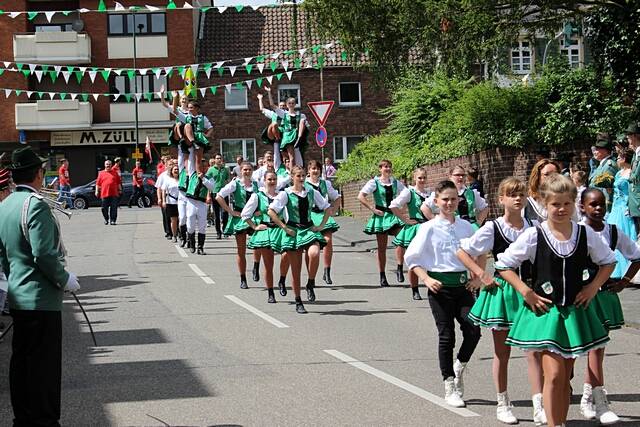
column 148, row 96
column 260, row 61
column 117, row 7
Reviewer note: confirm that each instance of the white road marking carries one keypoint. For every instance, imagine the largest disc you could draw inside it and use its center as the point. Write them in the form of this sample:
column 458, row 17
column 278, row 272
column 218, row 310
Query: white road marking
column 206, row 279
column 265, row 316
column 399, row 383
column 181, row 251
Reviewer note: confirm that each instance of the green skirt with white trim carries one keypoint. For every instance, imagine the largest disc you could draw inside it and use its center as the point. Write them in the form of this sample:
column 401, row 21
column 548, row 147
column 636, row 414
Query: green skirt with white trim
column 282, row 242
column 406, row 235
column 330, row 226
column 260, row 239
column 235, row 225
column 496, row 307
column 568, row 331
column 379, row 224
column 609, row 310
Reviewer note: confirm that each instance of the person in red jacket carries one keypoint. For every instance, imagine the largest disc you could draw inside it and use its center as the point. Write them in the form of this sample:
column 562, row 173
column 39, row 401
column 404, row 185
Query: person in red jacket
column 138, row 186
column 64, row 184
column 109, row 188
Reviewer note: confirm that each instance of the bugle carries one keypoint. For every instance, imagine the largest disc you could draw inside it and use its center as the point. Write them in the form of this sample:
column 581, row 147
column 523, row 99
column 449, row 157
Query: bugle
column 58, row 206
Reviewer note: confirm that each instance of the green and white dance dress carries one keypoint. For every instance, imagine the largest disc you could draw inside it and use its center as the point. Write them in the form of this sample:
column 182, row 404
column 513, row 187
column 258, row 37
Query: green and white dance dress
column 173, row 141
column 607, row 303
column 328, row 193
column 289, row 127
column 559, row 272
column 497, row 306
column 239, row 194
column 383, row 194
column 256, row 210
column 297, row 208
column 412, row 199
column 470, row 203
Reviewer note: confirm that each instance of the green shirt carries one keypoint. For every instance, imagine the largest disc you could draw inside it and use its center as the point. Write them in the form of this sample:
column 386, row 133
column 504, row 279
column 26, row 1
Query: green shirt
column 220, row 176
column 34, row 268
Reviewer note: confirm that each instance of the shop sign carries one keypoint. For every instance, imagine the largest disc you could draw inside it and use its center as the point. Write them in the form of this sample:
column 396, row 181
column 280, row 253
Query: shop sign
column 107, row 137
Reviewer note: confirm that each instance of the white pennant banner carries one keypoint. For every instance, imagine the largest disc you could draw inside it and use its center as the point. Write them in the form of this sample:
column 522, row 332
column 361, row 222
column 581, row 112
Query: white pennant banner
column 289, row 74
column 49, row 15
column 249, row 82
column 66, row 75
column 269, row 79
column 95, row 96
column 38, row 74
column 228, row 87
column 7, row 92
column 232, row 69
column 92, row 75
column 119, row 7
column 260, row 67
column 203, row 91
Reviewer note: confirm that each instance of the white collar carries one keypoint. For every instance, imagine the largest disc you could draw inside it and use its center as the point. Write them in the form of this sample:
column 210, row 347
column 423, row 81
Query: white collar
column 29, row 187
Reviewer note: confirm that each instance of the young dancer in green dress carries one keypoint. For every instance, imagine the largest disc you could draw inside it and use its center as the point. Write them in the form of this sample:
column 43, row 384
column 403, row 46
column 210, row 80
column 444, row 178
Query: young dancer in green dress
column 300, row 233
column 498, row 302
column 557, row 318
column 607, row 305
column 240, row 190
column 383, row 223
column 412, row 198
column 332, row 196
column 265, row 230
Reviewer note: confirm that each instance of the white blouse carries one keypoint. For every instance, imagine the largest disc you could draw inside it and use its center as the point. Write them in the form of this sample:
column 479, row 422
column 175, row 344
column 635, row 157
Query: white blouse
column 332, row 193
column 524, row 249
column 482, row 241
column 625, row 245
column 404, row 197
column 480, row 202
column 170, row 186
column 370, row 186
column 435, row 245
column 228, row 189
column 280, row 202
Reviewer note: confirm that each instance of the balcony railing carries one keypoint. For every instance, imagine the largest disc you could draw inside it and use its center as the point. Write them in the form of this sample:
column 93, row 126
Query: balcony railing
column 54, row 115
column 64, row 47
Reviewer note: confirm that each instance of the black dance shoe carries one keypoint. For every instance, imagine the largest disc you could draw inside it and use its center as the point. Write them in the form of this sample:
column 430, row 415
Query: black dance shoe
column 400, row 275
column 326, row 276
column 256, row 272
column 282, row 287
column 272, row 297
column 416, row 294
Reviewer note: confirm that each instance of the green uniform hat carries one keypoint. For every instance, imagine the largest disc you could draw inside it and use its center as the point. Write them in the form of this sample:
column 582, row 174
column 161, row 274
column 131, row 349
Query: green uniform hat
column 604, row 141
column 633, row 128
column 25, row 158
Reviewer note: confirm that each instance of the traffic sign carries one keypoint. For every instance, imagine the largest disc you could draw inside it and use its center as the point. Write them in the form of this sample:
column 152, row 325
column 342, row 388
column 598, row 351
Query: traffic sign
column 321, row 136
column 137, row 154
column 321, row 110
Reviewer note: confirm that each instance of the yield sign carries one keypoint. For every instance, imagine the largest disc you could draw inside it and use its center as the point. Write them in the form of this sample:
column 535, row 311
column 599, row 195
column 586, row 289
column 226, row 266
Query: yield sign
column 321, row 110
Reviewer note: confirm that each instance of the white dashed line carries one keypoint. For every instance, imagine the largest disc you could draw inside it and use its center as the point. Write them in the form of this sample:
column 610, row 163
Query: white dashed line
column 181, row 251
column 400, row 383
column 206, row 279
column 263, row 315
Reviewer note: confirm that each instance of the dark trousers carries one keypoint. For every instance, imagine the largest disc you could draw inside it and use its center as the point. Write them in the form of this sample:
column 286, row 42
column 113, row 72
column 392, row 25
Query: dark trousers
column 448, row 304
column 110, row 208
column 166, row 222
column 35, row 368
column 137, row 193
column 220, row 216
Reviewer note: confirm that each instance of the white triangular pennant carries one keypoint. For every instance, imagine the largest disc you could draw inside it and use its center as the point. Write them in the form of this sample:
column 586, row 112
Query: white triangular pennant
column 255, row 6
column 275, row 55
column 332, row 57
column 203, row 90
column 228, row 87
column 66, row 75
column 167, row 70
column 194, row 69
column 118, row 6
column 247, row 60
column 82, row 69
column 207, row 71
column 51, row 95
column 38, row 74
column 49, row 15
column 269, row 79
column 116, row 96
column 157, row 72
column 289, row 74
column 29, row 93
column 187, row 6
column 260, row 68
column 95, row 96
column 92, row 75
column 248, row 83
column 57, row 68
column 6, row 64
column 219, row 64
column 73, row 95
column 143, row 71
column 84, row 10
column 151, row 8
column 138, row 96
column 32, row 67
column 285, row 65
column 232, row 69
column 302, row 51
column 118, row 71
column 328, row 45
column 14, row 15
column 221, row 9
column 7, row 92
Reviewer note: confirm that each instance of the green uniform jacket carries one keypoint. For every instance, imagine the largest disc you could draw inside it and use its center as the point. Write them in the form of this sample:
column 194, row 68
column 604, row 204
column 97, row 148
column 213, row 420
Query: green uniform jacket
column 608, row 166
column 34, row 270
column 634, row 187
column 220, row 176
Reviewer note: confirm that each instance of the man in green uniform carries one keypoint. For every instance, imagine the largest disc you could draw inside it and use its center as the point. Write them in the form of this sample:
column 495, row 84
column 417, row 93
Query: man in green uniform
column 32, row 257
column 219, row 173
column 633, row 135
column 604, row 175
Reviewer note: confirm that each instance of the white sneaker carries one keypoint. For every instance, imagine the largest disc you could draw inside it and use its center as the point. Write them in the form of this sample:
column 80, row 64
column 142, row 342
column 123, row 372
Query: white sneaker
column 504, row 410
column 451, row 395
column 587, row 409
column 605, row 415
column 539, row 417
column 458, row 370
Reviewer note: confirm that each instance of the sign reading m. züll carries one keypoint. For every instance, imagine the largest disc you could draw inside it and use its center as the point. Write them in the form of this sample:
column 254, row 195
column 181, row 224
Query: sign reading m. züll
column 107, row 137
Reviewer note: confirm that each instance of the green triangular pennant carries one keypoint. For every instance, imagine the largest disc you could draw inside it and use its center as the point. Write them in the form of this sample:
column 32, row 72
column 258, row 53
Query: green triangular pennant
column 105, row 75
column 148, row 96
column 70, row 69
column 78, row 75
column 259, row 82
column 63, row 95
column 170, row 73
column 343, row 55
column 45, row 68
column 279, row 76
column 171, row 5
column 127, row 96
column 273, row 65
column 18, row 92
column 297, row 63
column 239, row 8
column 315, row 49
column 320, row 61
column 40, row 94
column 66, row 12
column 1, row 11
column 26, row 73
column 19, row 66
column 101, row 6
column 205, row 9
column 249, row 67
column 221, row 71
column 213, row 89
column 238, row 85
column 84, row 96
column 131, row 73
column 181, row 71
column 1, row 71
column 52, row 75
column 31, row 15
column 260, row 58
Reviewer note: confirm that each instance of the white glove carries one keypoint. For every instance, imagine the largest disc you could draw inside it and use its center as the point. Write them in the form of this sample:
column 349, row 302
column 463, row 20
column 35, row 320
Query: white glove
column 72, row 284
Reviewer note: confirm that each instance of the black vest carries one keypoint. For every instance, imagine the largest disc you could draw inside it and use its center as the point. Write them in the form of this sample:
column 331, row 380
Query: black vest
column 500, row 244
column 557, row 277
column 592, row 266
column 531, row 213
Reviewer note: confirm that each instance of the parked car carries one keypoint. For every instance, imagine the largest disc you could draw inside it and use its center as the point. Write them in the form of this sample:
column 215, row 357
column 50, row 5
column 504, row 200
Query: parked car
column 84, row 195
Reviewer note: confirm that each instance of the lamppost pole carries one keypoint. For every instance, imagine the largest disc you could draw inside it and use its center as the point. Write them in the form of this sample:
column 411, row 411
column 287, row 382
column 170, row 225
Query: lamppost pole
column 135, row 75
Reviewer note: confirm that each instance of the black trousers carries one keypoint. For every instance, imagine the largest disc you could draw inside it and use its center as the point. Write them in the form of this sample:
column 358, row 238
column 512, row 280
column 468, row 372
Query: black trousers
column 35, row 368
column 448, row 304
column 166, row 222
column 220, row 216
column 137, row 193
column 110, row 208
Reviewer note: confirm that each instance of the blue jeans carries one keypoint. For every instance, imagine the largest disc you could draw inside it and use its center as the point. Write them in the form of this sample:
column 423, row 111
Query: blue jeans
column 65, row 195
column 110, row 208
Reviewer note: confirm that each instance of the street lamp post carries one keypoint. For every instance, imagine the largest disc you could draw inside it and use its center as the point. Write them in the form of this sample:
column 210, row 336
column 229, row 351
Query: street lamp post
column 136, row 28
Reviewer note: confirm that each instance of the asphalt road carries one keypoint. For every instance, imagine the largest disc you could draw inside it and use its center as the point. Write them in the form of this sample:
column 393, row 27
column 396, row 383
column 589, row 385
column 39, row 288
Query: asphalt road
column 180, row 344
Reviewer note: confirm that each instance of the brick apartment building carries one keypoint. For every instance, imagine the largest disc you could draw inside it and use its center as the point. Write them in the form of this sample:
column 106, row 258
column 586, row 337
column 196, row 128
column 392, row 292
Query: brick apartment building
column 86, row 131
column 237, row 120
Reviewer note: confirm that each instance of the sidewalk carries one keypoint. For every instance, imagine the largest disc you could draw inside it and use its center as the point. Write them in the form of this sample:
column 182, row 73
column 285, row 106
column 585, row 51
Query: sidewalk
column 351, row 234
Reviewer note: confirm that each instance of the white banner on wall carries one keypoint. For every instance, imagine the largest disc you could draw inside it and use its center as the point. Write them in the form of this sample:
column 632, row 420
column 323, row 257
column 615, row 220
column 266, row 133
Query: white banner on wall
column 108, row 137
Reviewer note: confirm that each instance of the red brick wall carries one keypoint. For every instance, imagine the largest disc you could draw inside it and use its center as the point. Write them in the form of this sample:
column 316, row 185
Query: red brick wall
column 494, row 165
column 343, row 121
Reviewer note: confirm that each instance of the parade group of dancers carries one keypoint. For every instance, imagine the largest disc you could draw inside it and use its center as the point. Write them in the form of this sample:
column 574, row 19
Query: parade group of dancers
column 552, row 293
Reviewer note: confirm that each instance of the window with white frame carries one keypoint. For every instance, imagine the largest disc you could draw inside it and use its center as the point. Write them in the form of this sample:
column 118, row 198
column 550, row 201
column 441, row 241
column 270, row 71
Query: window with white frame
column 349, row 94
column 521, row 57
column 572, row 50
column 145, row 24
column 289, row 91
column 148, row 83
column 343, row 145
column 236, row 99
column 245, row 147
